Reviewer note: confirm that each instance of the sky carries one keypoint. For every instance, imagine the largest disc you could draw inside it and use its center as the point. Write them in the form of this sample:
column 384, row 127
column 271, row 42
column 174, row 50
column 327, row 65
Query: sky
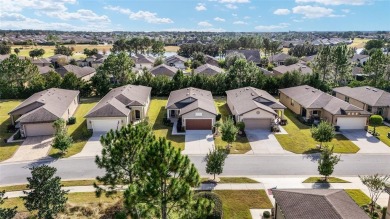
column 196, row 15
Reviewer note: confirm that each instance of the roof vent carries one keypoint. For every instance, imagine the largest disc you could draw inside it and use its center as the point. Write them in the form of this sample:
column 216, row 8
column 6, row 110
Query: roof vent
column 313, row 91
column 307, row 88
column 374, row 90
column 252, row 94
column 247, row 88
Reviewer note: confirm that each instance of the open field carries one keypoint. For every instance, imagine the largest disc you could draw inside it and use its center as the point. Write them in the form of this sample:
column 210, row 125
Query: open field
column 171, row 48
column 6, row 150
column 358, row 43
column 241, row 145
column 78, row 131
column 299, row 138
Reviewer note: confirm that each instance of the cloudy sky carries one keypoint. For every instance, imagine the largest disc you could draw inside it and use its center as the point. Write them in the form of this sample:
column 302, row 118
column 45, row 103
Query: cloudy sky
column 200, row 15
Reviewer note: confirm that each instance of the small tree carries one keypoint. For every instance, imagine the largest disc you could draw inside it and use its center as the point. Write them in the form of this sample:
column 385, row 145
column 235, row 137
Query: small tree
column 376, row 184
column 229, row 131
column 324, row 132
column 216, row 126
column 240, row 126
column 215, row 160
column 17, row 51
column 6, row 213
column 375, row 120
column 327, row 162
column 61, row 139
column 46, row 196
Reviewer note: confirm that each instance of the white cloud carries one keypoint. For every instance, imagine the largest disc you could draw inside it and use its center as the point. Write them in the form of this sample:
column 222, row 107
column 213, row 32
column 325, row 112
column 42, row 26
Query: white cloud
column 231, row 6
column 234, row 1
column 219, row 19
column 282, row 11
column 147, row 16
column 335, row 2
column 240, row 23
column 200, row 7
column 313, row 11
column 42, row 5
column 198, row 30
column 247, row 17
column 347, row 11
column 297, row 20
column 272, row 27
column 204, row 24
column 82, row 15
column 234, row 15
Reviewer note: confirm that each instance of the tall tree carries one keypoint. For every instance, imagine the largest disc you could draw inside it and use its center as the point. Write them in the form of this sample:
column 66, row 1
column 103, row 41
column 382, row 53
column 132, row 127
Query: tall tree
column 376, row 66
column 36, row 53
column 52, row 80
column 324, row 132
column 376, row 185
column 375, row 120
column 6, row 213
column 118, row 66
column 229, row 131
column 341, row 65
column 17, row 51
column 215, row 160
column 90, row 52
column 165, row 186
column 158, row 48
column 46, row 195
column 327, row 162
column 62, row 141
column 71, row 82
column 120, row 154
column 323, row 62
column 5, row 48
column 63, row 50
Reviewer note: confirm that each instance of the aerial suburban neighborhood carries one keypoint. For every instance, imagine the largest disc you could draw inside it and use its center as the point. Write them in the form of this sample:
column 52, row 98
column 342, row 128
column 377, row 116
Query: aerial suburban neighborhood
column 223, row 109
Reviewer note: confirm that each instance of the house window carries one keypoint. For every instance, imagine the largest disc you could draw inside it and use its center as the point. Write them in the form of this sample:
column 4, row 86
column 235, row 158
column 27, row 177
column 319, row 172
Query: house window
column 315, row 112
column 379, row 111
column 346, row 99
column 292, row 102
column 369, row 108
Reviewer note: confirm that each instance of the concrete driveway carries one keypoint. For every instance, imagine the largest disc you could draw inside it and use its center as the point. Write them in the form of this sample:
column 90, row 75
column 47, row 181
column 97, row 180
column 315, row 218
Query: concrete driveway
column 92, row 148
column 33, row 148
column 367, row 143
column 264, row 142
column 198, row 142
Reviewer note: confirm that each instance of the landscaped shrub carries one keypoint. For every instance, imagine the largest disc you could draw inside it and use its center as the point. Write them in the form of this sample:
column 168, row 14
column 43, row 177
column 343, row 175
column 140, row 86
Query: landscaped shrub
column 240, row 126
column 17, row 136
column 218, row 117
column 71, row 120
column 217, row 212
column 266, row 214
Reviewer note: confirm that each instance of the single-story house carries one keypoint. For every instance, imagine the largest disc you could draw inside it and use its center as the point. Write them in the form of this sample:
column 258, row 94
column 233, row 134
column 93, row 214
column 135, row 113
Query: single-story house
column 208, row 69
column 195, row 107
column 256, row 108
column 308, row 59
column 360, row 59
column 41, row 62
column 212, row 60
column 35, row 115
column 45, row 69
column 58, row 59
column 250, row 55
column 315, row 203
column 85, row 73
column 311, row 103
column 164, row 69
column 142, row 61
column 372, row 99
column 282, row 69
column 176, row 61
column 120, row 107
column 278, row 59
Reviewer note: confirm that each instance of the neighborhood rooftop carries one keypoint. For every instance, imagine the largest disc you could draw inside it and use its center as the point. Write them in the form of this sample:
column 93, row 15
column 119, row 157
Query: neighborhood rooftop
column 369, row 95
column 78, row 71
column 250, row 55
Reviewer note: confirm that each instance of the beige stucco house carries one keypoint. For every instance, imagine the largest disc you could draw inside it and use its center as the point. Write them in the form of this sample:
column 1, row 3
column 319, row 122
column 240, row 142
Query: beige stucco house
column 256, row 108
column 371, row 99
column 311, row 103
column 121, row 106
column 195, row 107
column 35, row 115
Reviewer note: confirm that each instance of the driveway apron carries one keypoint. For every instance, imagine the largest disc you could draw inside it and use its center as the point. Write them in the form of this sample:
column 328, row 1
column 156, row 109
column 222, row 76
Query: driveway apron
column 198, row 142
column 264, row 142
column 93, row 146
column 33, row 148
column 367, row 143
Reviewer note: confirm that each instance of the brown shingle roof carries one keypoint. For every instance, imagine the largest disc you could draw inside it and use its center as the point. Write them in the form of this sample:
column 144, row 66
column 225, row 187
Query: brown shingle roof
column 368, row 95
column 250, row 55
column 311, row 98
column 118, row 101
column 247, row 99
column 317, row 203
column 279, row 57
column 164, row 69
column 201, row 99
column 45, row 69
column 282, row 69
column 208, row 69
column 175, row 58
column 78, row 71
column 49, row 104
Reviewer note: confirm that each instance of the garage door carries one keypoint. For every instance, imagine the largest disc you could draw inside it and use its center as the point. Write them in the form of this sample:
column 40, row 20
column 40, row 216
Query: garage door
column 198, row 124
column 257, row 123
column 104, row 125
column 351, row 122
column 38, row 129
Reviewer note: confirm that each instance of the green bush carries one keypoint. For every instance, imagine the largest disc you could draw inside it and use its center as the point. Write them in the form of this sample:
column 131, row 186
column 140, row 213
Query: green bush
column 71, row 120
column 240, row 126
column 384, row 209
column 217, row 212
column 17, row 136
column 266, row 214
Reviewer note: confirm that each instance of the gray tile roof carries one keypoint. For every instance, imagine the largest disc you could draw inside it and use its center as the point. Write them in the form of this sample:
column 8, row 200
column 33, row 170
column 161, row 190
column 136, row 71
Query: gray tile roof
column 250, row 55
column 208, row 69
column 358, row 57
column 278, row 57
column 175, row 58
column 368, row 95
column 317, row 203
column 247, row 99
column 311, row 98
column 118, row 101
column 357, row 71
column 141, row 59
column 164, row 69
column 201, row 99
column 41, row 61
column 282, row 69
column 45, row 69
column 78, row 71
column 50, row 105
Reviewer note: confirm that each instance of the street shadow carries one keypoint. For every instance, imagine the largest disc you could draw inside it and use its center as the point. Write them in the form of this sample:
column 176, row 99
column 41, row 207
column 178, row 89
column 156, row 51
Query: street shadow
column 40, row 162
column 313, row 156
column 321, row 185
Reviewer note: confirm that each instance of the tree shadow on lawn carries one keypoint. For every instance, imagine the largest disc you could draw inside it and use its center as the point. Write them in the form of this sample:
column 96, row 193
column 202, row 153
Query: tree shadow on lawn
column 158, row 124
column 293, row 118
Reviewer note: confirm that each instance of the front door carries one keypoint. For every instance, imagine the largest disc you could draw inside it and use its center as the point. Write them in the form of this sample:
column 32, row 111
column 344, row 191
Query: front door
column 303, row 113
column 137, row 114
column 172, row 112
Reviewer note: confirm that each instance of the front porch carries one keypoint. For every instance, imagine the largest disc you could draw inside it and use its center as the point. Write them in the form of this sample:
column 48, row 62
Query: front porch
column 173, row 114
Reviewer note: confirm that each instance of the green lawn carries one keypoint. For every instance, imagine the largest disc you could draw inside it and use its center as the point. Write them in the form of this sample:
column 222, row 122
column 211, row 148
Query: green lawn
column 358, row 196
column 6, row 150
column 321, row 180
column 299, row 138
column 382, row 130
column 236, row 203
column 156, row 114
column 78, row 131
column 230, row 180
column 64, row 183
column 241, row 145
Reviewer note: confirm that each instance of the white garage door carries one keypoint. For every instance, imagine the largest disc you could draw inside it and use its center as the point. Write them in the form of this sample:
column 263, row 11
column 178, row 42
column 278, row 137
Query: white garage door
column 105, row 125
column 351, row 122
column 38, row 129
column 257, row 123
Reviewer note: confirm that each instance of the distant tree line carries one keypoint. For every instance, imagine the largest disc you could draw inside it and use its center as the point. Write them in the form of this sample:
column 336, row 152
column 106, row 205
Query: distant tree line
column 139, row 45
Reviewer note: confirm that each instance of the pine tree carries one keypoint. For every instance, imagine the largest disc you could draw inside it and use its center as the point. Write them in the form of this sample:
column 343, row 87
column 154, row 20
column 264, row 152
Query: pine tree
column 6, row 213
column 46, row 196
column 166, row 182
column 327, row 162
